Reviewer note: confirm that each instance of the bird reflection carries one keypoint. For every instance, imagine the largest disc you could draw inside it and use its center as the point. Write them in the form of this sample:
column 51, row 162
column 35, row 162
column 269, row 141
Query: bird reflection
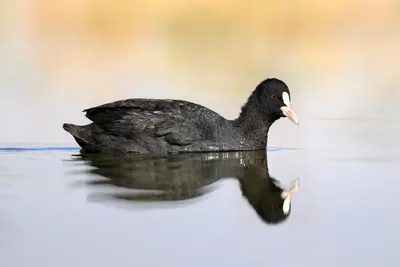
column 188, row 176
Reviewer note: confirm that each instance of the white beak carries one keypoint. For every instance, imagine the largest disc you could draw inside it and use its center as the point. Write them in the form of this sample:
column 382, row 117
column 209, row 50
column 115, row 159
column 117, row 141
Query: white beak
column 287, row 110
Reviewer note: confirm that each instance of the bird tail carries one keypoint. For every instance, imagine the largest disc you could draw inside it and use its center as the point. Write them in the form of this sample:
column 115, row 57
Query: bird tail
column 81, row 134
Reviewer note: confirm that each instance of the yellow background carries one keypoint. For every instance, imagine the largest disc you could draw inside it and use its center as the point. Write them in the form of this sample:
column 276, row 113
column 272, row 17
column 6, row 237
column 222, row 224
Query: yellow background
column 339, row 58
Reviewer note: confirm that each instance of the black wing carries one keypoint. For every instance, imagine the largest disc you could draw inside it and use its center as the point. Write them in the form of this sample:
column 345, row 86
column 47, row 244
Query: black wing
column 181, row 122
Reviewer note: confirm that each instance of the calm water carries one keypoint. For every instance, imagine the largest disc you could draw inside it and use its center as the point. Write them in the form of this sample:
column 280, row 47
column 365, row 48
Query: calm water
column 59, row 208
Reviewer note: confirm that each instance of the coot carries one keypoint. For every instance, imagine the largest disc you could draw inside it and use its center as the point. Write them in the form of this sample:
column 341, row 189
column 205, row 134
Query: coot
column 175, row 126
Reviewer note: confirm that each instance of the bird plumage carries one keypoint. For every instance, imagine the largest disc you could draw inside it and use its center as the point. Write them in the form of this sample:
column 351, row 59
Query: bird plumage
column 142, row 125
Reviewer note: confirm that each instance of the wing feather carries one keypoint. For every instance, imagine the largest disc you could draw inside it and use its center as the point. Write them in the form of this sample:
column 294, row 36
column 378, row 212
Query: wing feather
column 175, row 120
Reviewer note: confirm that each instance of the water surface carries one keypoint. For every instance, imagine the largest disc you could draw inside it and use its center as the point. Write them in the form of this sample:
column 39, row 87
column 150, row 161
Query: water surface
column 61, row 209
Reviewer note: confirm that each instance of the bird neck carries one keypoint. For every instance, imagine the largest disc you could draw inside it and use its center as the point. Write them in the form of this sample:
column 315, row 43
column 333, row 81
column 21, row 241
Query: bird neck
column 254, row 125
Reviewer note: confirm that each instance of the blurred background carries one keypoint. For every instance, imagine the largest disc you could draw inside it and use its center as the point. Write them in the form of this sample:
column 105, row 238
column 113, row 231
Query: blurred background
column 339, row 58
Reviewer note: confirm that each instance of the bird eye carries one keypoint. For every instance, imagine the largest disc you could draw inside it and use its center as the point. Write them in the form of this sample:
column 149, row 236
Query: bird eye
column 273, row 97
column 273, row 207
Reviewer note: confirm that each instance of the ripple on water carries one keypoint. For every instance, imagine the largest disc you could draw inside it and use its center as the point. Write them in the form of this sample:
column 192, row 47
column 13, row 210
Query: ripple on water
column 75, row 148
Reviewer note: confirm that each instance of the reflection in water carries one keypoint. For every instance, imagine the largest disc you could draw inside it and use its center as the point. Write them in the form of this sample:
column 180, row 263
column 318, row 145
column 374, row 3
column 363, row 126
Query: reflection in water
column 187, row 176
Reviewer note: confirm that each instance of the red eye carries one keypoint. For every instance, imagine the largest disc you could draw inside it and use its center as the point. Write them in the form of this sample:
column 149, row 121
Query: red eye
column 273, row 97
column 273, row 207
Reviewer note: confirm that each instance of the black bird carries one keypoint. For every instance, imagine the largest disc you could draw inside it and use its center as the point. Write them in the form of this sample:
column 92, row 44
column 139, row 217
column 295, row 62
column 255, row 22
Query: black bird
column 171, row 126
column 183, row 177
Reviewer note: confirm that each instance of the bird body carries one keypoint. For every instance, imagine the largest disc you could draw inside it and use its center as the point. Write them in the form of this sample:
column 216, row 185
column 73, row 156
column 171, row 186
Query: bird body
column 163, row 126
